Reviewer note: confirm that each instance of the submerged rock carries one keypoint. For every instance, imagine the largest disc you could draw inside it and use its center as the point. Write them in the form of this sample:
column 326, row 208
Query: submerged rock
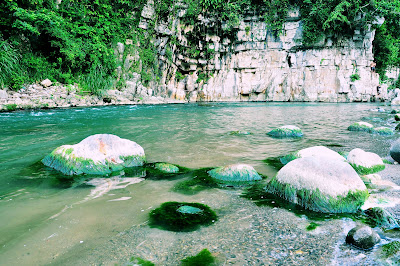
column 397, row 117
column 239, row 133
column 329, row 186
column 286, row 132
column 235, row 174
column 363, row 237
column 385, row 131
column 166, row 168
column 99, row 154
column 361, row 126
column 365, row 162
column 395, row 150
column 182, row 216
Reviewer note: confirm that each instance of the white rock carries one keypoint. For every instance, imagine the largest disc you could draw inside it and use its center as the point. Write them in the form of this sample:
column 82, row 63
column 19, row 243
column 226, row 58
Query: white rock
column 320, row 151
column 46, row 83
column 359, row 157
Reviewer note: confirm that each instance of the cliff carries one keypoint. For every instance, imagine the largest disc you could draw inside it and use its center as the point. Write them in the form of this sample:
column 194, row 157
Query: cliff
column 198, row 63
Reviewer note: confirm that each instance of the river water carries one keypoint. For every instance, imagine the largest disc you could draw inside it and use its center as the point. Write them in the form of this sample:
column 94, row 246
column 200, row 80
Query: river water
column 46, row 219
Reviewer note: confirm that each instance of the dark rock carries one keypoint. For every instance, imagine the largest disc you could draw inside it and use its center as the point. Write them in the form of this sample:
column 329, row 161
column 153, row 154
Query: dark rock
column 362, row 237
column 395, row 150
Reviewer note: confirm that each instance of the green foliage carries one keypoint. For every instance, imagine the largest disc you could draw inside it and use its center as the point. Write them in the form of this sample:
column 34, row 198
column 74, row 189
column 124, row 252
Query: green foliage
column 354, row 77
column 11, row 107
column 179, row 76
column 168, row 216
column 96, row 81
column 204, row 258
column 9, row 62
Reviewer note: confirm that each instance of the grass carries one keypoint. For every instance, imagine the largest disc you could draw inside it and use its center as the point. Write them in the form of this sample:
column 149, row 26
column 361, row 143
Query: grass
column 96, row 82
column 11, row 107
column 9, row 62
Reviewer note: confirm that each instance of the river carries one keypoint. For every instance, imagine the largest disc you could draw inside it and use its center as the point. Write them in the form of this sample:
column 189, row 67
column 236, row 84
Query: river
column 48, row 220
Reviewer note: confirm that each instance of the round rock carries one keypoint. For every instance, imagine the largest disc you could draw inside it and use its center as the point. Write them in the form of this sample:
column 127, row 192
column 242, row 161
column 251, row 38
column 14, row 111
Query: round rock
column 287, row 131
column 385, row 131
column 320, row 151
column 330, row 186
column 363, row 237
column 98, row 154
column 395, row 151
column 166, row 168
column 360, row 126
column 365, row 162
column 235, row 173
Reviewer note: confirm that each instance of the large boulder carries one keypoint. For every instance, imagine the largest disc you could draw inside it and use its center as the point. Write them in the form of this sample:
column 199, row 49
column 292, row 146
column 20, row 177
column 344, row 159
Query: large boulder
column 235, row 174
column 315, row 151
column 395, row 151
column 286, row 132
column 318, row 184
column 361, row 126
column 362, row 237
column 98, row 154
column 365, row 162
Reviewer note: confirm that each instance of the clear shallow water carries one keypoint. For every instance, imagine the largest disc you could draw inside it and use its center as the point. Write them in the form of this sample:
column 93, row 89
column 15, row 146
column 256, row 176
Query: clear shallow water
column 44, row 220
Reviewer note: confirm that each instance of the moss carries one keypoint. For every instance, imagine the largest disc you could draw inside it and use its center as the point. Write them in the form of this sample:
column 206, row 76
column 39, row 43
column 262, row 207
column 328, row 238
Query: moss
column 344, row 154
column 140, row 262
column 391, row 249
column 279, row 162
column 386, row 161
column 169, row 217
column 359, row 127
column 166, row 168
column 235, row 176
column 314, row 200
column 199, row 181
column 288, row 158
column 384, row 131
column 312, row 226
column 204, row 258
column 378, row 217
column 361, row 170
column 133, row 160
column 285, row 133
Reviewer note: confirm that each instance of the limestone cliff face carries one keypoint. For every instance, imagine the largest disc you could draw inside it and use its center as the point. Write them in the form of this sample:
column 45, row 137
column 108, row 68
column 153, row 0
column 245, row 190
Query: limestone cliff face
column 256, row 65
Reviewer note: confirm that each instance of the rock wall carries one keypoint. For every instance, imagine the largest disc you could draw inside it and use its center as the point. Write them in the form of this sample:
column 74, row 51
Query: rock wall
column 256, row 65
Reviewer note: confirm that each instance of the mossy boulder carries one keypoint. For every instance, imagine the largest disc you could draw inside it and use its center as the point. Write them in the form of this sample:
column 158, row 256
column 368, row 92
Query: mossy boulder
column 362, row 237
column 384, row 131
column 315, row 151
column 361, row 126
column 235, row 174
column 166, row 168
column 182, row 216
column 287, row 131
column 395, row 150
column 365, row 162
column 317, row 184
column 99, row 154
column 382, row 218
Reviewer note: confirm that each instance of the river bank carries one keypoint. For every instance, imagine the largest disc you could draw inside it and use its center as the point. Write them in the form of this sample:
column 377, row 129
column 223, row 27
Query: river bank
column 47, row 95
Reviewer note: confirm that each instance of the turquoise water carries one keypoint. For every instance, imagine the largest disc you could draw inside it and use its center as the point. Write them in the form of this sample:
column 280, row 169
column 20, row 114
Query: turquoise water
column 41, row 212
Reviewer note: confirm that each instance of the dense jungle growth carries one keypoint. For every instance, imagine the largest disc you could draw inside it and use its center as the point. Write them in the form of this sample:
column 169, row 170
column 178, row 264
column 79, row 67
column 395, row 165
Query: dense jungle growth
column 73, row 41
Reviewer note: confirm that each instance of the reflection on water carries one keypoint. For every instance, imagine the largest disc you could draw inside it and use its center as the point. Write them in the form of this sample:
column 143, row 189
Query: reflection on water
column 47, row 216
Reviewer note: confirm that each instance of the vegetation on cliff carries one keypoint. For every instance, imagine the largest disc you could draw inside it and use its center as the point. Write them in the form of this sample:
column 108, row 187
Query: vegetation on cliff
column 73, row 41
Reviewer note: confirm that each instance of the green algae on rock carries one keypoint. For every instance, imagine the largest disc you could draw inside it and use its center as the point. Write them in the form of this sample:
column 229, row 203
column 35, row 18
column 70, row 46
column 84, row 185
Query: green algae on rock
column 240, row 133
column 365, row 162
column 378, row 217
column 199, row 180
column 235, row 174
column 391, row 249
column 99, row 154
column 182, row 216
column 287, row 131
column 136, row 261
column 361, row 126
column 320, row 185
column 384, row 131
column 166, row 168
column 203, row 258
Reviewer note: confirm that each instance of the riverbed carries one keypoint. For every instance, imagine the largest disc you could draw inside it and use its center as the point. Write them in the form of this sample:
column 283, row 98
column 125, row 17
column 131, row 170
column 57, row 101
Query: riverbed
column 48, row 219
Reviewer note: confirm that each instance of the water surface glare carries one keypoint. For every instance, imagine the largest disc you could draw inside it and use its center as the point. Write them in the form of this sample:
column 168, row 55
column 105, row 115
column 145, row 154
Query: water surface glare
column 46, row 220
